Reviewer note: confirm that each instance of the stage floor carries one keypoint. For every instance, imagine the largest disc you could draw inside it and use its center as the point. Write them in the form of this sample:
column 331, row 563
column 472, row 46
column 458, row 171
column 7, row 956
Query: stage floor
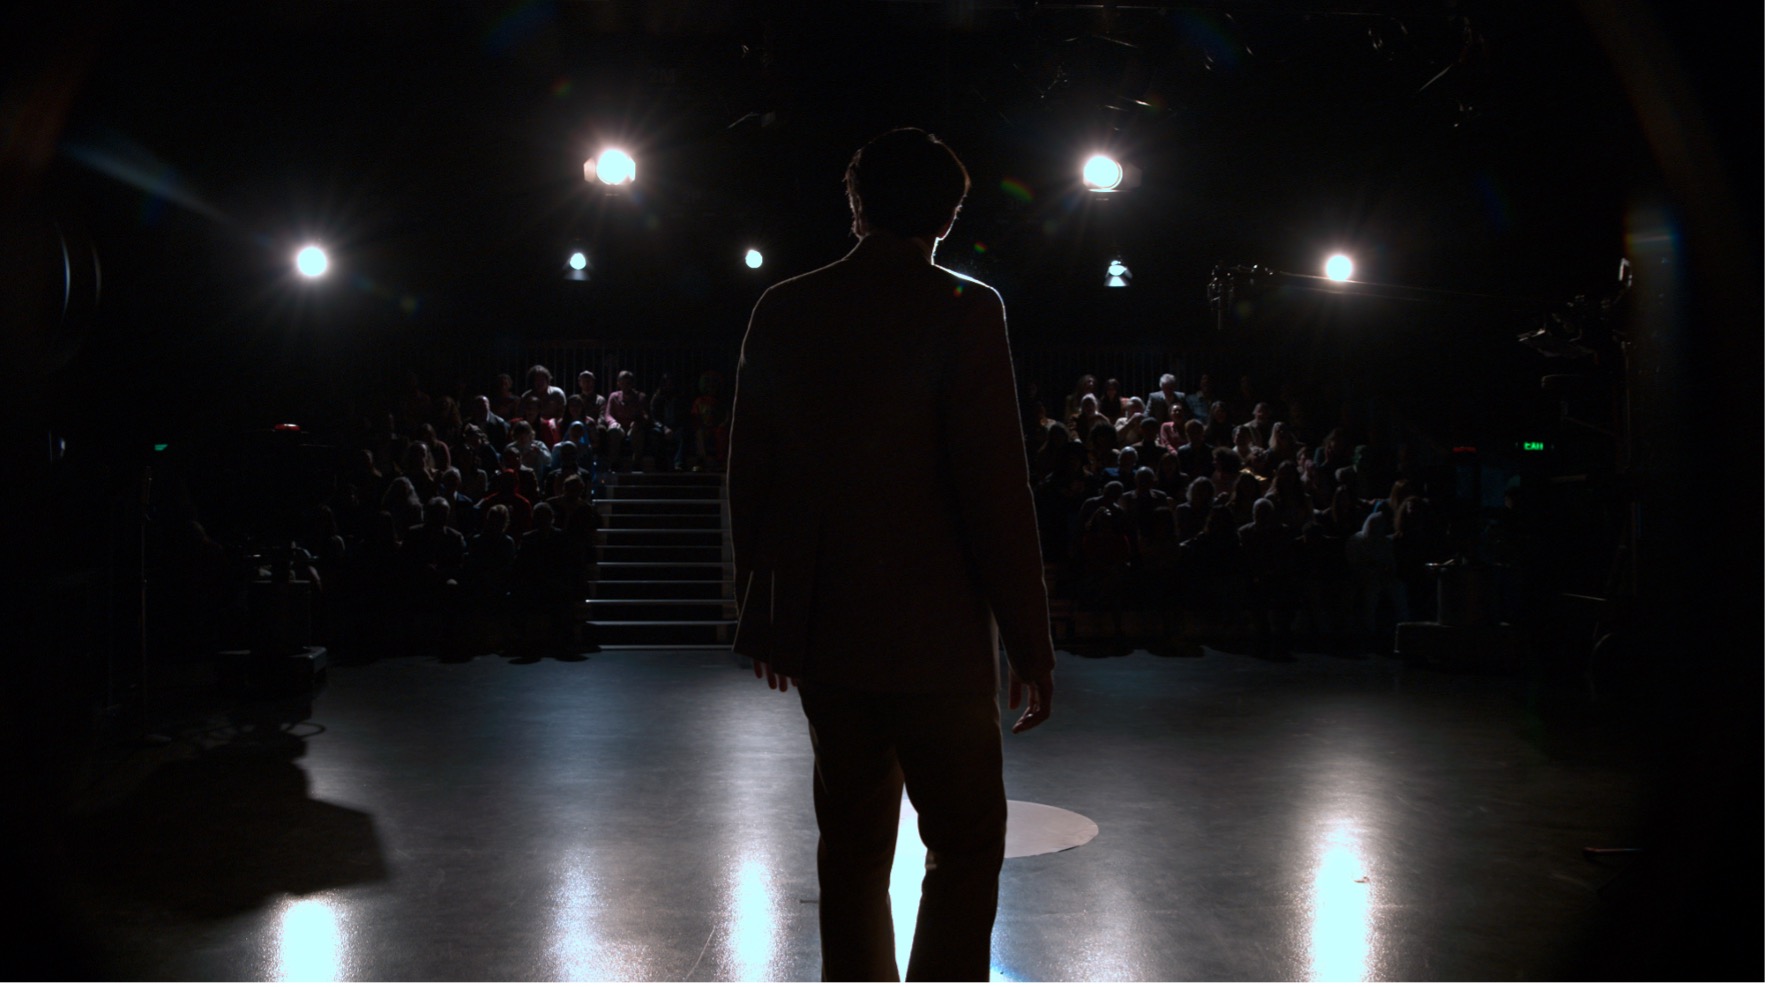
column 647, row 816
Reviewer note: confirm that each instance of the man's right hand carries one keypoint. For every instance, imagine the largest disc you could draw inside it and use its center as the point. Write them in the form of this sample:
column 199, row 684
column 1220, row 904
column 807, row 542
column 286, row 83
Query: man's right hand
column 1038, row 700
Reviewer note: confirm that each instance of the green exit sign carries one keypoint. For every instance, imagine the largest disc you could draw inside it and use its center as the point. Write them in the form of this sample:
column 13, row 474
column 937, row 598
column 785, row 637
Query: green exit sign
column 1534, row 446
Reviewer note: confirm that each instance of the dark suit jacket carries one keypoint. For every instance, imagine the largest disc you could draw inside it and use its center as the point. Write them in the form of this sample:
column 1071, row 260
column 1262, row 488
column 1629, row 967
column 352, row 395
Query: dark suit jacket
column 887, row 563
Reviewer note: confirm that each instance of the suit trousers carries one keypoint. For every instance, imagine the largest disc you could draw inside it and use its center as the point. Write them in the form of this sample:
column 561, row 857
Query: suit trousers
column 946, row 751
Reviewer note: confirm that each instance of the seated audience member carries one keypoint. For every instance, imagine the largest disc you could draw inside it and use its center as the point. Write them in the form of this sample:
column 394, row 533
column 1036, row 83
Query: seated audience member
column 1211, row 560
column 1248, row 489
column 1088, row 418
column 1168, row 390
column 1103, row 449
column 1419, row 542
column 1244, row 444
column 1112, row 402
column 448, row 421
column 1170, row 478
column 1268, row 558
column 550, row 427
column 504, row 399
column 1173, row 431
column 1219, row 430
column 1049, row 455
column 1143, row 502
column 1289, row 498
column 415, row 468
column 433, row 549
column 708, row 416
column 1190, row 516
column 548, row 578
column 1109, row 496
column 1123, row 469
column 541, row 385
column 401, row 503
column 1149, row 451
column 1195, row 454
column 485, row 569
column 1344, row 515
column 495, row 429
column 1370, row 559
column 1281, row 445
column 591, row 400
column 1260, row 426
column 573, row 496
column 567, row 463
column 463, row 509
column 1226, row 469
column 1130, row 426
column 665, row 424
column 624, row 418
column 1160, row 410
column 526, row 449
column 504, row 493
column 1058, row 499
column 1335, row 451
column 1200, row 404
column 1072, row 406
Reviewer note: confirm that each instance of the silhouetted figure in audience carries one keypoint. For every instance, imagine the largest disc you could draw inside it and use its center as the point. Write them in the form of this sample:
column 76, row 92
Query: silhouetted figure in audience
column 1225, row 471
column 504, row 399
column 1200, row 403
column 401, row 502
column 1190, row 516
column 666, row 421
column 1195, row 454
column 1103, row 450
column 1049, row 455
column 547, row 581
column 1072, row 406
column 1370, row 558
column 1149, row 451
column 1268, row 557
column 1170, row 478
column 625, row 420
column 485, row 571
column 1248, row 489
column 1112, row 403
column 505, row 493
column 708, row 414
column 1260, row 425
column 1219, row 429
column 1211, row 561
column 1287, row 495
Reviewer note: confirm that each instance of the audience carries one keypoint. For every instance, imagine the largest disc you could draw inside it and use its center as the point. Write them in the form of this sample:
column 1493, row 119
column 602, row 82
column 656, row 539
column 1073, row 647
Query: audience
column 477, row 509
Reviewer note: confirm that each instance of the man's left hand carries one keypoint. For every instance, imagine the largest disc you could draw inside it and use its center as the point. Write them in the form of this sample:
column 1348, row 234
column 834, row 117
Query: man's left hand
column 775, row 680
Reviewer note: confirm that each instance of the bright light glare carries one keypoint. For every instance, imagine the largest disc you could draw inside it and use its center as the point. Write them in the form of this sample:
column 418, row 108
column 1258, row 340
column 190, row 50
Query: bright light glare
column 615, row 167
column 753, row 259
column 311, row 262
column 1116, row 274
column 1339, row 268
column 578, row 260
column 1102, row 173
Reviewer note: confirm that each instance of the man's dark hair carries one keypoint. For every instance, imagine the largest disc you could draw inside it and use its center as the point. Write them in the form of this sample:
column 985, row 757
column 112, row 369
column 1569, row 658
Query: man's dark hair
column 907, row 182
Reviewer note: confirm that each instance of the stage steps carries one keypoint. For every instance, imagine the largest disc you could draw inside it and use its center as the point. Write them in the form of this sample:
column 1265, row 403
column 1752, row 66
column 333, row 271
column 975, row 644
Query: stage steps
column 663, row 573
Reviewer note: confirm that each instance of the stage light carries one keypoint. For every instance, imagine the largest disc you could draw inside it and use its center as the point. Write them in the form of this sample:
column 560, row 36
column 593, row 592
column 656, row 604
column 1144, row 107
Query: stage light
column 1339, row 268
column 1117, row 274
column 1102, row 174
column 311, row 262
column 578, row 261
column 753, row 259
column 612, row 167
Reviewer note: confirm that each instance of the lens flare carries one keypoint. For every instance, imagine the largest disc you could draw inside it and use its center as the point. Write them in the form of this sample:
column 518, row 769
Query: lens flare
column 311, row 262
column 1102, row 173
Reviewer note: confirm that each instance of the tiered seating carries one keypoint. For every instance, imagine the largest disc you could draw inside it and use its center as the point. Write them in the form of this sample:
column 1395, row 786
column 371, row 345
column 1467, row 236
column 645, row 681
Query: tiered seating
column 664, row 576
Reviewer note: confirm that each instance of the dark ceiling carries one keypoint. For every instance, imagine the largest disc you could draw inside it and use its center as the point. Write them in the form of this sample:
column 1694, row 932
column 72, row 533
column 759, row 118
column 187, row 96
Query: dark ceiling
column 437, row 150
